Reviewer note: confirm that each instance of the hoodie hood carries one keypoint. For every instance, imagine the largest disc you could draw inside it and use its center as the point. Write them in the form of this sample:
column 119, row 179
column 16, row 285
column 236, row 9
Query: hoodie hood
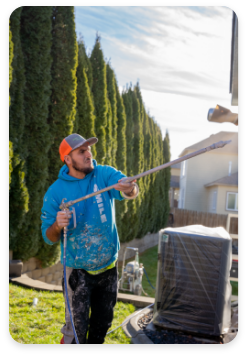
column 63, row 173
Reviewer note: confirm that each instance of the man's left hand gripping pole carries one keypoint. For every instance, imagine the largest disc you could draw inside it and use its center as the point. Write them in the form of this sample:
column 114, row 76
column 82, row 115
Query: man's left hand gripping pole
column 64, row 207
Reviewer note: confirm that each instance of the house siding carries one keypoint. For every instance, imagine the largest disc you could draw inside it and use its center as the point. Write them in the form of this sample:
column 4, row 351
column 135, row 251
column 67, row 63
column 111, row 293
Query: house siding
column 222, row 196
column 210, row 197
column 175, row 172
column 202, row 170
column 183, row 179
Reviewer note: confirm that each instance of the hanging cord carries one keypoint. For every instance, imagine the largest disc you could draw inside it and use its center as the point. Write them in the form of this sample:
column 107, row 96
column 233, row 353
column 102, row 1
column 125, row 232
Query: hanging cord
column 148, row 279
column 65, row 283
column 139, row 311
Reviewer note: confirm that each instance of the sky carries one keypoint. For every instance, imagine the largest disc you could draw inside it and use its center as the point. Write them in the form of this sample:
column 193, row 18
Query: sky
column 179, row 55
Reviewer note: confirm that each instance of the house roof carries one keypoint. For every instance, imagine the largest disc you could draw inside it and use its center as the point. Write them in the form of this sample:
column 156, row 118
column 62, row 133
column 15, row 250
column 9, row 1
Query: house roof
column 231, row 148
column 176, row 165
column 174, row 182
column 228, row 180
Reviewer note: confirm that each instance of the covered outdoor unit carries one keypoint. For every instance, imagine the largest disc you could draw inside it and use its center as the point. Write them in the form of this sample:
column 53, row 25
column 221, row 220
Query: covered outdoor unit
column 193, row 291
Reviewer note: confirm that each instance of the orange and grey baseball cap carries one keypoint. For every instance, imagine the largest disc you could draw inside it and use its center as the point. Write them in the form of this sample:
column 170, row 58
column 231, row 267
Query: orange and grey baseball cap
column 72, row 142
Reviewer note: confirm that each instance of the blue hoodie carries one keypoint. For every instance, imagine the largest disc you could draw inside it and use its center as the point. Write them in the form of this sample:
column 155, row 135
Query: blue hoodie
column 94, row 243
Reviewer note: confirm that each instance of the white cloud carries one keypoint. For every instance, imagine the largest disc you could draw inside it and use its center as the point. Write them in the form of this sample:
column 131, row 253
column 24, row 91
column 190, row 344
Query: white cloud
column 181, row 56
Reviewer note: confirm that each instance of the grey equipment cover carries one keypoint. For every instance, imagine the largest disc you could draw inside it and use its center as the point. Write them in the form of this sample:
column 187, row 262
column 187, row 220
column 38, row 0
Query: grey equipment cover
column 193, row 291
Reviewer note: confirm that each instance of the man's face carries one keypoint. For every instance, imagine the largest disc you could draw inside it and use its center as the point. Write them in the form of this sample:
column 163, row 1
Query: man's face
column 82, row 159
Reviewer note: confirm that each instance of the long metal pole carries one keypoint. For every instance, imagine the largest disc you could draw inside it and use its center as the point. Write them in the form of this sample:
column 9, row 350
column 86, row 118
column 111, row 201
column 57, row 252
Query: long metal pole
column 214, row 146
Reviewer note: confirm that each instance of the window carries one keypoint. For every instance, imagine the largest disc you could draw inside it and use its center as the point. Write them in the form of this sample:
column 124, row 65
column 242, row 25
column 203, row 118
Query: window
column 232, row 201
column 214, row 200
column 183, row 168
column 181, row 202
column 230, row 168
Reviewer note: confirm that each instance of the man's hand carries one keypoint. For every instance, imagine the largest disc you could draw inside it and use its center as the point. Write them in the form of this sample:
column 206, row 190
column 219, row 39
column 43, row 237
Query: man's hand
column 127, row 188
column 62, row 220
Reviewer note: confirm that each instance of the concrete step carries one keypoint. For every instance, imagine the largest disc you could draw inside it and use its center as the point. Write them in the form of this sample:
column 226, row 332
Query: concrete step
column 28, row 282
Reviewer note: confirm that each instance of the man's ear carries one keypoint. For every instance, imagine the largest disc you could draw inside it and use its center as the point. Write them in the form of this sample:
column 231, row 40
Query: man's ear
column 67, row 159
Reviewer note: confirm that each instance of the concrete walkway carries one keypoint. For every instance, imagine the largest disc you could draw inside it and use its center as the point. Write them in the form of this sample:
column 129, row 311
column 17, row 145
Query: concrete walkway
column 25, row 281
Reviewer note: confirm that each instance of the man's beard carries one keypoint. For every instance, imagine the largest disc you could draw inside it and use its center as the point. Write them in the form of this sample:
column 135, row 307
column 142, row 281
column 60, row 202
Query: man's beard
column 83, row 170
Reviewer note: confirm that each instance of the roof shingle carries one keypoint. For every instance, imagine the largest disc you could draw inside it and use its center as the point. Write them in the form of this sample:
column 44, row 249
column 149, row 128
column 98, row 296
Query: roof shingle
column 228, row 180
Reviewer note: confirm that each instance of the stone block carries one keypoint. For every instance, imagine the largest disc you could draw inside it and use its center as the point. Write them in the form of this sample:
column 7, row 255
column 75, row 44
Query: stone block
column 59, row 282
column 15, row 268
column 49, row 278
column 36, row 274
column 52, row 269
column 25, row 267
column 45, row 271
column 29, row 274
column 31, row 266
column 57, row 275
column 59, row 266
column 42, row 279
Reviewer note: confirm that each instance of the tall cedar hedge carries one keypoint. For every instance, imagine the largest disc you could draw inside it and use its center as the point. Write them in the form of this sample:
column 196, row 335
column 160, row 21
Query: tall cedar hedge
column 10, row 79
column 56, row 89
column 36, row 40
column 99, row 90
column 62, row 108
column 111, row 88
column 121, row 155
column 85, row 117
column 18, row 194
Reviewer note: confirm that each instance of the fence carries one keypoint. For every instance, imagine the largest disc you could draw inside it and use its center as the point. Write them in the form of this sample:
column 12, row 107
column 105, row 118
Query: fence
column 182, row 217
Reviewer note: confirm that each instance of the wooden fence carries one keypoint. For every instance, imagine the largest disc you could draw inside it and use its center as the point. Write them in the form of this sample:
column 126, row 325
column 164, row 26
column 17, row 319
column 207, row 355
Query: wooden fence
column 182, row 217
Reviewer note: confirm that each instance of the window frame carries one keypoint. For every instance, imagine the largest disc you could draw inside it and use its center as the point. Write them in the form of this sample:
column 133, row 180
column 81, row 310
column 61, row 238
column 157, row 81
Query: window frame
column 236, row 197
column 214, row 202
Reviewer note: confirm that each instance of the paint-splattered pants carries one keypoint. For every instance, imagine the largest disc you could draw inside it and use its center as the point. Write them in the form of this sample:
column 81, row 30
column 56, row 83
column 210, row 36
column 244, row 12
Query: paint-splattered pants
column 85, row 292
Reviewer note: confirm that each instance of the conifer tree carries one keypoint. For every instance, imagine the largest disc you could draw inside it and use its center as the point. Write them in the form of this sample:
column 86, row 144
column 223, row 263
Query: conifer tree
column 99, row 91
column 127, row 101
column 36, row 31
column 62, row 108
column 10, row 79
column 138, row 161
column 113, row 102
column 18, row 195
column 127, row 230
column 166, row 178
column 131, row 223
column 152, row 177
column 85, row 118
column 86, row 61
column 10, row 161
column 108, row 160
column 11, row 55
column 121, row 155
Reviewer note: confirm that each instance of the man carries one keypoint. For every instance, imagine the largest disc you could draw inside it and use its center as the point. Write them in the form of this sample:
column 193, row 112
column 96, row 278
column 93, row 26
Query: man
column 92, row 246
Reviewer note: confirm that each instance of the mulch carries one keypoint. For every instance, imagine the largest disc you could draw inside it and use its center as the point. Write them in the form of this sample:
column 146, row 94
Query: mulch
column 165, row 336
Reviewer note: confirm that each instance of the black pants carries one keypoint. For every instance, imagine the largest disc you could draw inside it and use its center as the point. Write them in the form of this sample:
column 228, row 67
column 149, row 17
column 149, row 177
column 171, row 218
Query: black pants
column 95, row 292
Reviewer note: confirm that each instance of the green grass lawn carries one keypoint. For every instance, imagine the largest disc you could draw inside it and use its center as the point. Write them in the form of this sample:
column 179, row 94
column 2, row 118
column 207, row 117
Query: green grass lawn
column 42, row 324
column 234, row 287
column 149, row 258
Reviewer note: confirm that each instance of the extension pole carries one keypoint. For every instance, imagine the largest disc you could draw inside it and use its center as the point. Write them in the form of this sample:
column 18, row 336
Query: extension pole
column 214, row 146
